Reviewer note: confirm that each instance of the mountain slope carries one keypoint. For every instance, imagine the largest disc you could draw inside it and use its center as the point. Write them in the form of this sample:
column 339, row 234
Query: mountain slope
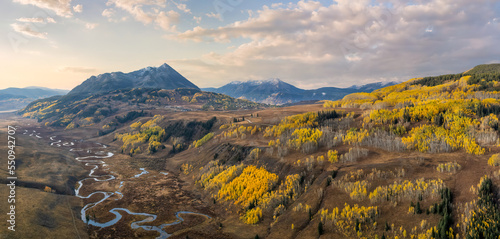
column 400, row 149
column 259, row 89
column 83, row 110
column 312, row 172
column 484, row 69
column 272, row 91
column 403, row 161
column 163, row 77
column 275, row 91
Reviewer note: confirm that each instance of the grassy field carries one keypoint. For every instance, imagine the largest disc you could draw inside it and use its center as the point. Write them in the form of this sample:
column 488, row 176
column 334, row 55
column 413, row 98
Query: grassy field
column 40, row 214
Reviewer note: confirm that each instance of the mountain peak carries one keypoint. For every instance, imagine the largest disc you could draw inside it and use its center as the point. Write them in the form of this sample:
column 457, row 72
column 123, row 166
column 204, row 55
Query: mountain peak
column 165, row 66
column 274, row 81
column 164, row 77
column 375, row 85
column 276, row 91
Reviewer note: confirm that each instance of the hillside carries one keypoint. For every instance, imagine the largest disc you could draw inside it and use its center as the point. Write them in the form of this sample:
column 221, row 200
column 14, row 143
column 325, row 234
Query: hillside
column 16, row 98
column 419, row 159
column 74, row 110
column 162, row 77
column 277, row 92
column 484, row 69
column 405, row 161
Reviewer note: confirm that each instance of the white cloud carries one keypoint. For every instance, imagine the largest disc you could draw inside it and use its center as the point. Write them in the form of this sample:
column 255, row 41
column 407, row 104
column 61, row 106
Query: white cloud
column 197, row 19
column 353, row 41
column 111, row 15
column 108, row 13
column 135, row 8
column 149, row 12
column 34, row 20
column 78, row 8
column 183, row 7
column 91, row 26
column 27, row 30
column 250, row 13
column 60, row 7
column 214, row 15
column 167, row 20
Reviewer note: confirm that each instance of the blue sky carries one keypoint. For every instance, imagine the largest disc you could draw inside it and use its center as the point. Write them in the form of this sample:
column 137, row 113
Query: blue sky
column 311, row 44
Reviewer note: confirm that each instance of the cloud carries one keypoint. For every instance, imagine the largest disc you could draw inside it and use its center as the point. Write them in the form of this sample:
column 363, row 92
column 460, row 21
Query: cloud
column 78, row 8
column 27, row 30
column 91, row 26
column 33, row 20
column 149, row 12
column 183, row 7
column 76, row 69
column 353, row 42
column 36, row 20
column 135, row 8
column 167, row 20
column 214, row 15
column 197, row 19
column 108, row 13
column 60, row 7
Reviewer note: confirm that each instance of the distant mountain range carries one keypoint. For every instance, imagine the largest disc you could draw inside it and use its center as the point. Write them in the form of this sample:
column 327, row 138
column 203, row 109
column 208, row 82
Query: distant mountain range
column 163, row 77
column 31, row 92
column 17, row 98
column 272, row 91
column 277, row 92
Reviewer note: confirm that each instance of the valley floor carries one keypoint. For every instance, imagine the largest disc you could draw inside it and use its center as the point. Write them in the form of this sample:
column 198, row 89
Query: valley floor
column 171, row 184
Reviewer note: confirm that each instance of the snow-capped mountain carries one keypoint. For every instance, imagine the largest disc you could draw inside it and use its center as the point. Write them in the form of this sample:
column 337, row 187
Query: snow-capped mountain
column 278, row 92
column 164, row 77
column 263, row 91
column 372, row 86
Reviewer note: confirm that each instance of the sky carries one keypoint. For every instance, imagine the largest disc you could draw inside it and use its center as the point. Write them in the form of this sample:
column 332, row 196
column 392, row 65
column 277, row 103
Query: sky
column 311, row 44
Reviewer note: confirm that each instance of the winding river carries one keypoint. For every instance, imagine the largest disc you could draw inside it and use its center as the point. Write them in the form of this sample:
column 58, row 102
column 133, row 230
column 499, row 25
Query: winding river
column 95, row 159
